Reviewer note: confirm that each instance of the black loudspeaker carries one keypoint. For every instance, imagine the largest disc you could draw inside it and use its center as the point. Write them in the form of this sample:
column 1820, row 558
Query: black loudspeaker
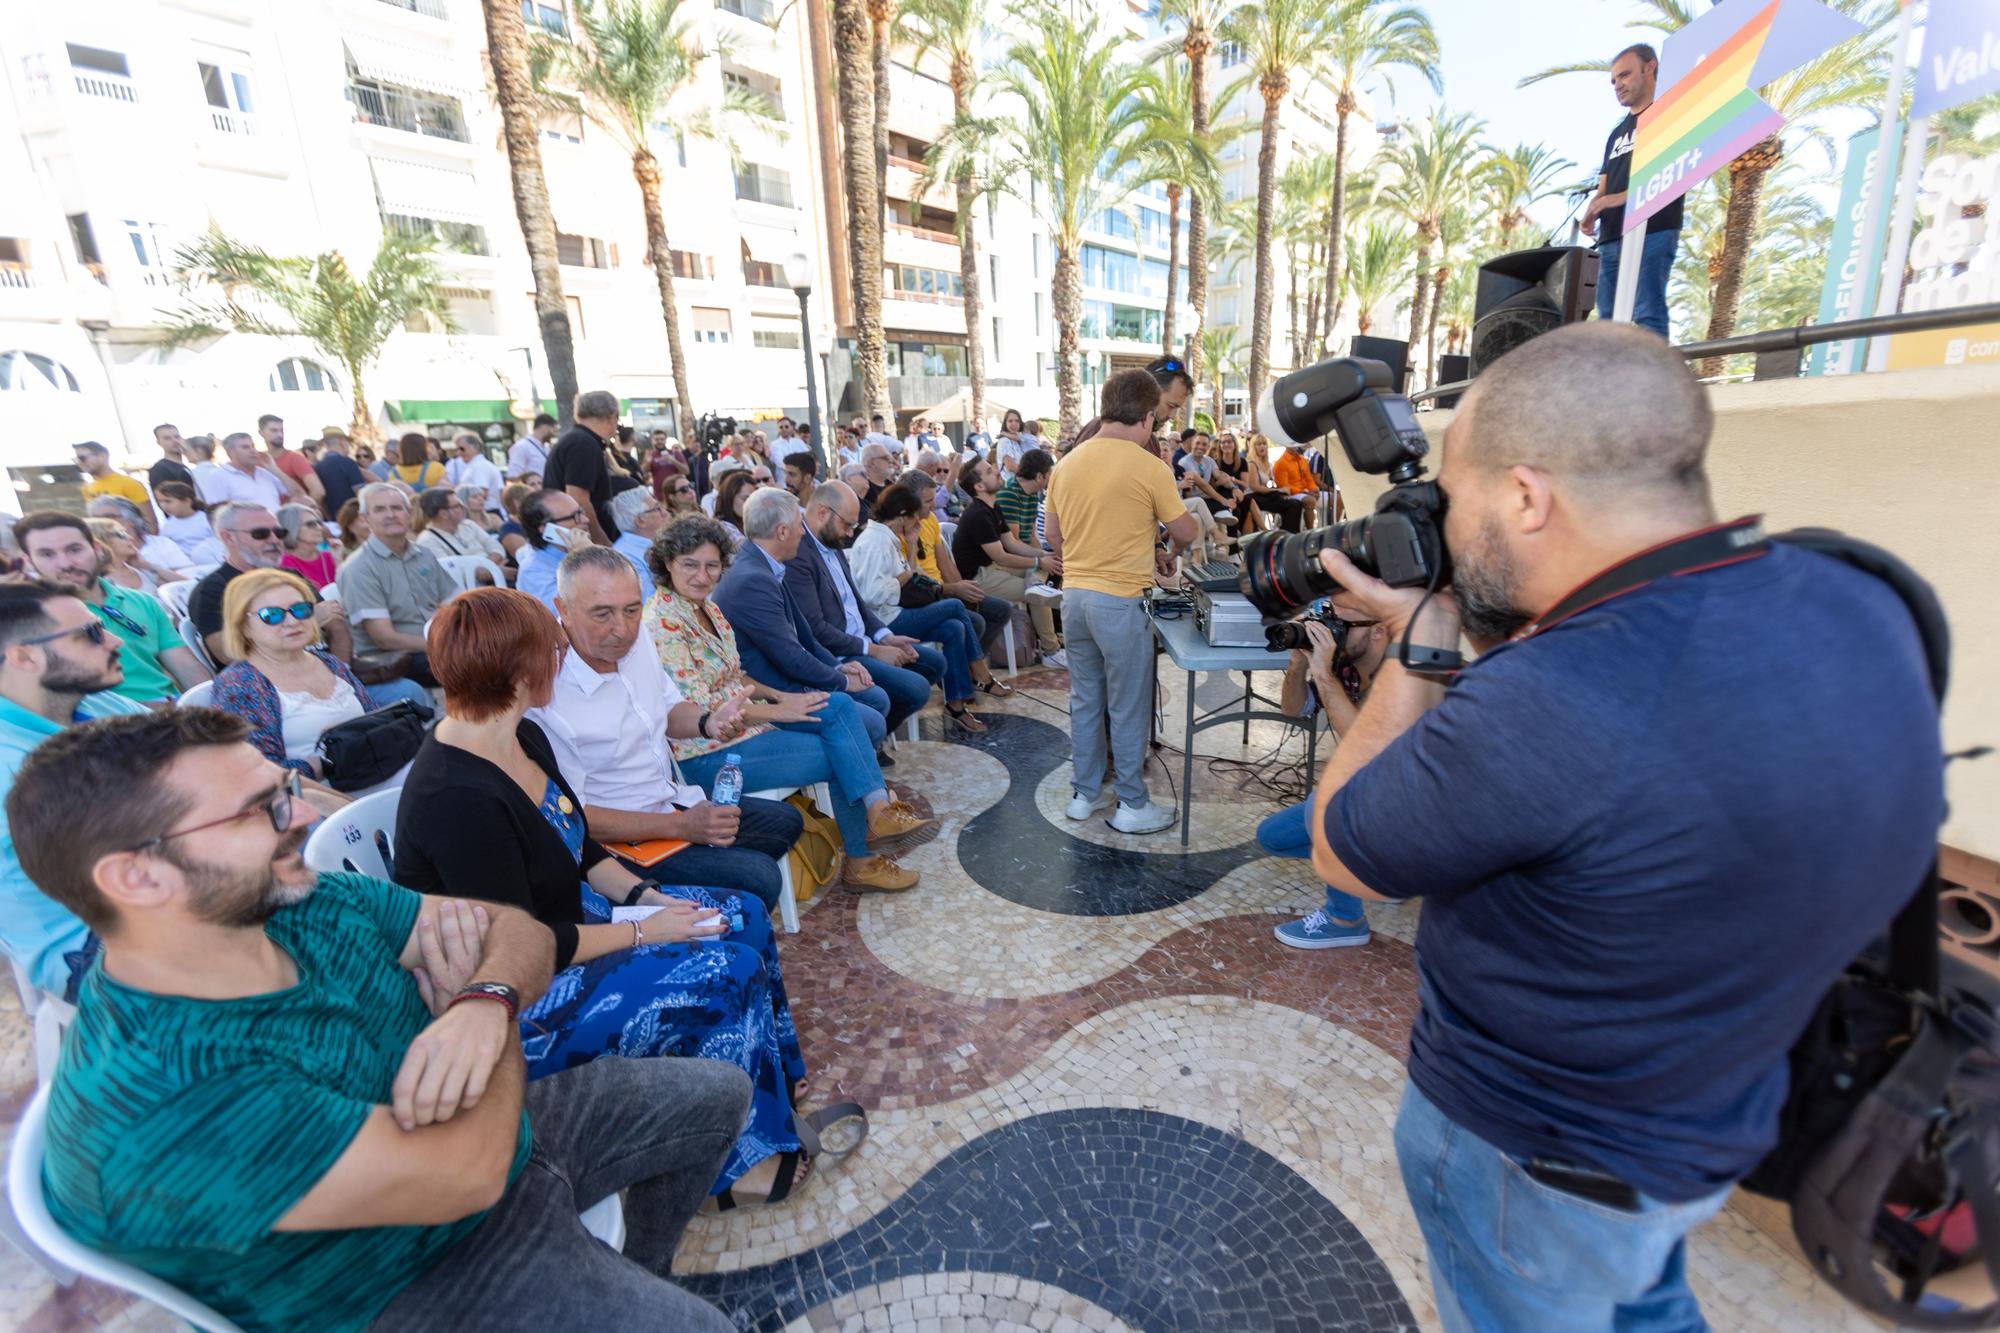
column 1452, row 370
column 1389, row 351
column 1527, row 293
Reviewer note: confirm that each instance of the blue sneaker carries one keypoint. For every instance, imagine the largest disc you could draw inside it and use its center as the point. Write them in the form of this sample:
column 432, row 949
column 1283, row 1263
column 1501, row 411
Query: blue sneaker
column 1318, row 931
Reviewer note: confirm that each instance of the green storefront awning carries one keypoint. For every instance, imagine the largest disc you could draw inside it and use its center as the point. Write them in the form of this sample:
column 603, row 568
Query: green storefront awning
column 417, row 411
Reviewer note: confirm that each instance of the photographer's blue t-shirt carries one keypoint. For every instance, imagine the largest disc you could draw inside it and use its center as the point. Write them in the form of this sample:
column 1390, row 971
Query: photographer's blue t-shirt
column 1648, row 840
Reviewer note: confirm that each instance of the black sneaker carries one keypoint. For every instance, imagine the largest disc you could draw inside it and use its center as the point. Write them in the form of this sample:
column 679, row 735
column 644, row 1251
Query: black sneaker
column 882, row 758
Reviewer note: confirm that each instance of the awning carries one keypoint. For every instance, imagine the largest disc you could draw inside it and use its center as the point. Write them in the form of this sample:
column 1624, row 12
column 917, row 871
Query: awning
column 424, row 191
column 390, row 62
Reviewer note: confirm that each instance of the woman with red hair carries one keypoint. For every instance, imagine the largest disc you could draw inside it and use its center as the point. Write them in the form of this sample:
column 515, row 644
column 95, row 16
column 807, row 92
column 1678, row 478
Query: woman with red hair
column 486, row 814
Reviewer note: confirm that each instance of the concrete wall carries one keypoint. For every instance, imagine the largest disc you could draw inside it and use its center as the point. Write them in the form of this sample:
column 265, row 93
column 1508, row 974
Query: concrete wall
column 1908, row 460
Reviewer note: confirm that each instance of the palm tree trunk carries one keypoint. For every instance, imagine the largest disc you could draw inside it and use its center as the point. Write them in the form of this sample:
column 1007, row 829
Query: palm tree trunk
column 1292, row 303
column 1437, row 303
column 1173, row 266
column 1336, row 216
column 646, row 170
column 968, row 251
column 361, row 423
column 1746, row 200
column 1267, row 186
column 1417, row 300
column 1069, row 313
column 1196, row 46
column 880, row 12
column 851, row 44
column 1362, row 323
column 520, row 123
column 1313, row 352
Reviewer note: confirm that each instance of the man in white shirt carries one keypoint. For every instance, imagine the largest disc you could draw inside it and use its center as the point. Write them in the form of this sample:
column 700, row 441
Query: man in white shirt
column 878, row 435
column 245, row 479
column 530, row 455
column 789, row 442
column 640, row 518
column 473, row 468
column 608, row 720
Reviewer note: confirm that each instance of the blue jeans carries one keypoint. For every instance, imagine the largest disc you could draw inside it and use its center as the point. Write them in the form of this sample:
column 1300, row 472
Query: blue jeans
column 908, row 688
column 1656, row 263
column 1508, row 1252
column 766, row 831
column 874, row 703
column 835, row 750
column 391, row 691
column 948, row 624
column 1286, row 834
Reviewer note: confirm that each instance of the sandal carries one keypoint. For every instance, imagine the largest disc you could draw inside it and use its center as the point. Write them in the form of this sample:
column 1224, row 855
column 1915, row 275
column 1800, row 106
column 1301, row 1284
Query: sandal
column 958, row 715
column 795, row 1168
column 994, row 686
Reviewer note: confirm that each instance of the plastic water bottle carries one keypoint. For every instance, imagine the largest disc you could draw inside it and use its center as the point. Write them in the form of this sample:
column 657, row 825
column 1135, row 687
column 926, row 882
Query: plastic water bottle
column 728, row 786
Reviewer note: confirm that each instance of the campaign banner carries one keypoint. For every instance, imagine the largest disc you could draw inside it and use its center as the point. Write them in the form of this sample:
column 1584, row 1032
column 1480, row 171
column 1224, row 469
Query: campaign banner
column 1849, row 291
column 1706, row 111
column 1961, row 55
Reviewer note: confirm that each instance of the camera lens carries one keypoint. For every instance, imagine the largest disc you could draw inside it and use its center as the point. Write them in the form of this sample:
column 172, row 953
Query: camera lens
column 1284, row 637
column 1281, row 570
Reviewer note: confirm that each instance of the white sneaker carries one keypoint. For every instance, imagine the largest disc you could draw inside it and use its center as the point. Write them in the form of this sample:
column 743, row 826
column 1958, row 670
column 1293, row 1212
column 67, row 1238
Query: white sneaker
column 1056, row 657
column 1081, row 808
column 1147, row 818
column 1045, row 592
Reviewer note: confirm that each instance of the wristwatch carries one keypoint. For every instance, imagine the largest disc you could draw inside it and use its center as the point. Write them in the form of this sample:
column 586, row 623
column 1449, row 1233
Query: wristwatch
column 632, row 898
column 491, row 990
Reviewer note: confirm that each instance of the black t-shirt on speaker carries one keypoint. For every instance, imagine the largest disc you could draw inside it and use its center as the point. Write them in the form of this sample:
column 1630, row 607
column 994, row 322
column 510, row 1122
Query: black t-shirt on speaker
column 1617, row 172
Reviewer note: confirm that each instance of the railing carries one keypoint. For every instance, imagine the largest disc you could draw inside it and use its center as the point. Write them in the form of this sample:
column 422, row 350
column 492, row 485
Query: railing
column 437, row 117
column 757, row 11
column 17, row 275
column 906, row 164
column 462, row 238
column 111, row 87
column 928, row 298
column 429, row 8
column 924, row 233
column 754, row 188
column 232, row 122
column 759, row 273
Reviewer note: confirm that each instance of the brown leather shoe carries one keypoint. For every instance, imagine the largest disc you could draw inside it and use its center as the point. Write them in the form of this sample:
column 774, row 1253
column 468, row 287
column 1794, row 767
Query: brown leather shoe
column 894, row 819
column 877, row 874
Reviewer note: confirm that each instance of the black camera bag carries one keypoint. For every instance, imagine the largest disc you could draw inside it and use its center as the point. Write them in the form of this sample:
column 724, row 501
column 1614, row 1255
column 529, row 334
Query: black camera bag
column 370, row 749
column 1890, row 1132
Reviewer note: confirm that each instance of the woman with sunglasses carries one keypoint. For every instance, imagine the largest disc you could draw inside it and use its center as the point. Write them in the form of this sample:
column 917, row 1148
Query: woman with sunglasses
column 288, row 688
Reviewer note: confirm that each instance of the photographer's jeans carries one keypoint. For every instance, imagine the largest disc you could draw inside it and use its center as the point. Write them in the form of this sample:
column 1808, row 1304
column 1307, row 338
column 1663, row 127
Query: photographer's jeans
column 1110, row 647
column 1287, row 834
column 1509, row 1253
column 1656, row 264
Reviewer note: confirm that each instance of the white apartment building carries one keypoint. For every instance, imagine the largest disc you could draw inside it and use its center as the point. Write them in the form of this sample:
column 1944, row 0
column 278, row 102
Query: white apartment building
column 132, row 126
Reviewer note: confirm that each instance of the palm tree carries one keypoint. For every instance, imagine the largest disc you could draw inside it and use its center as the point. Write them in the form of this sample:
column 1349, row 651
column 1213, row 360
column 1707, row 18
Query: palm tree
column 1792, row 235
column 1521, row 177
column 1376, row 267
column 1280, row 39
column 514, row 92
column 1219, row 351
column 1076, row 127
column 635, row 57
column 1199, row 20
column 1180, row 158
column 1364, row 40
column 882, row 15
column 1429, row 170
column 1851, row 75
column 230, row 286
column 953, row 28
column 855, row 87
column 1454, row 231
column 1305, row 193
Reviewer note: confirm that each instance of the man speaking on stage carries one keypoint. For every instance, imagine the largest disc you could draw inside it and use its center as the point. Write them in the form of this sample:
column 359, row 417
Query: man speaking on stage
column 1633, row 75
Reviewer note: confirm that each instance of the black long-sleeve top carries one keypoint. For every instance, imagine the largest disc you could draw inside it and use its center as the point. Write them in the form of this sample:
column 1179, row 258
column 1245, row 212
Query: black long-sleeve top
column 467, row 830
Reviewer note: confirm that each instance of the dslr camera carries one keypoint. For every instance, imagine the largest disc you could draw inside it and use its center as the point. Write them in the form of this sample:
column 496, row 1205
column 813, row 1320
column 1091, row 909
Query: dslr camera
column 712, row 430
column 1402, row 542
column 1286, row 635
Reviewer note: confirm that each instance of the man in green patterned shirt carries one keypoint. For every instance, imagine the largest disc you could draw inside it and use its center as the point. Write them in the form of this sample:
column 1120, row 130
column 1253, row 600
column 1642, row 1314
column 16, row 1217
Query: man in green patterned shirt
column 300, row 1098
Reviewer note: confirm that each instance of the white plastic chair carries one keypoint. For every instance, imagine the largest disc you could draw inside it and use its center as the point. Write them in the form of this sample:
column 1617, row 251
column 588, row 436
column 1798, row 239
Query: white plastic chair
column 198, row 696
column 464, row 570
column 192, row 638
column 174, row 596
column 196, row 573
column 330, row 593
column 357, row 838
column 31, row 1209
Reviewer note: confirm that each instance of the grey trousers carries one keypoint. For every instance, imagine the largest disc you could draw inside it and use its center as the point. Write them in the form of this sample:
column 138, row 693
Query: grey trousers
column 656, row 1128
column 1110, row 648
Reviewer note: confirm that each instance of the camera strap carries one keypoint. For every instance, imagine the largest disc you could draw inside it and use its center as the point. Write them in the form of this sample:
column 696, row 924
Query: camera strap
column 1724, row 544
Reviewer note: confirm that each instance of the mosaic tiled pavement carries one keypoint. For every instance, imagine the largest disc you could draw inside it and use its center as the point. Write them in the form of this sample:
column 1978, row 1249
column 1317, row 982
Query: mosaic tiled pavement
column 1102, row 1097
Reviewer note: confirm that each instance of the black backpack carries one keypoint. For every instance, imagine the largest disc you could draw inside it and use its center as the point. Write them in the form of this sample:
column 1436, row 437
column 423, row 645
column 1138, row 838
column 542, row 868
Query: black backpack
column 1889, row 1138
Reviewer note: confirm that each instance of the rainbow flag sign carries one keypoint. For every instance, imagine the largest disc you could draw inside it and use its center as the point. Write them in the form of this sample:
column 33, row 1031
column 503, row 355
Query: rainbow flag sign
column 1707, row 111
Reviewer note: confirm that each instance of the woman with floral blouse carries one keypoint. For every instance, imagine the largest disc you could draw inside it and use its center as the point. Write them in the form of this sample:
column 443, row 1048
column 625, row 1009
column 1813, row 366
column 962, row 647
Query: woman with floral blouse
column 794, row 740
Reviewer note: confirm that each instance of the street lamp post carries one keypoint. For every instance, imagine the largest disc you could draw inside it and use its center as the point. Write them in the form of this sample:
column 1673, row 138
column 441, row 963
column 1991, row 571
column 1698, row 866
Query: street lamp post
column 798, row 272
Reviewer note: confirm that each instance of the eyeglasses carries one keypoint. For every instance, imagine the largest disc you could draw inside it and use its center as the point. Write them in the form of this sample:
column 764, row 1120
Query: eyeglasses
column 121, row 620
column 680, row 490
column 454, row 505
column 274, row 616
column 278, row 808
column 571, row 517
column 257, row 534
column 93, row 633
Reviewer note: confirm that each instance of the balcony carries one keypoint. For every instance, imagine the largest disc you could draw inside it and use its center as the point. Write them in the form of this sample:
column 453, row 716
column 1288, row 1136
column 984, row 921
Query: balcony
column 428, row 8
column 410, row 112
column 227, row 120
column 108, row 87
column 449, row 238
column 761, row 185
column 17, row 276
column 922, row 233
column 757, row 11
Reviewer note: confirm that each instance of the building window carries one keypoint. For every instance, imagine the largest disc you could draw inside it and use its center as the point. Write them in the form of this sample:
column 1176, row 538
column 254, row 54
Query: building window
column 393, row 107
column 761, row 272
column 575, row 304
column 562, row 127
column 764, row 185
column 993, row 272
column 908, row 359
column 688, row 264
column 999, row 346
column 711, row 325
column 1038, row 314
column 775, row 338
column 463, row 238
column 1103, row 319
column 298, row 374
column 101, row 73
column 150, row 248
column 582, row 251
column 757, row 11
column 924, row 284
column 1230, row 54
column 31, row 372
column 549, row 18
column 84, row 237
column 230, row 106
column 673, row 135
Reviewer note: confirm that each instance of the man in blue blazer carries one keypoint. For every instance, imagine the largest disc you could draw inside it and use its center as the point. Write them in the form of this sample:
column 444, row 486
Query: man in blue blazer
column 772, row 634
column 822, row 586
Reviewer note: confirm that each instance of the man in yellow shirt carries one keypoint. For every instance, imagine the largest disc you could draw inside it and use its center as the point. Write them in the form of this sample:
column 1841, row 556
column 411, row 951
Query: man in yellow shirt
column 1106, row 500
column 94, row 461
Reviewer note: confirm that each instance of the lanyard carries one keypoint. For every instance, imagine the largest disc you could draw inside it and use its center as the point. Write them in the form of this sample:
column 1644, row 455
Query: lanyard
column 1724, row 544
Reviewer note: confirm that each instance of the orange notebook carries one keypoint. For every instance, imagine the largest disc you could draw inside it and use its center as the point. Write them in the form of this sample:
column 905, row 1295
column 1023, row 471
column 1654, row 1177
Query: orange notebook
column 648, row 853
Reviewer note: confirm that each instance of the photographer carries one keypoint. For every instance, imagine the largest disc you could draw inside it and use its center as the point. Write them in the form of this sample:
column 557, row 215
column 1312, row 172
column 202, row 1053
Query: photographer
column 1345, row 657
column 1652, row 827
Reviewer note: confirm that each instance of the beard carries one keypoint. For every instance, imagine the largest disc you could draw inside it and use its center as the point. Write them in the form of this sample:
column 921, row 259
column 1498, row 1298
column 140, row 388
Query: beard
column 237, row 898
column 1486, row 584
column 832, row 542
column 65, row 676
